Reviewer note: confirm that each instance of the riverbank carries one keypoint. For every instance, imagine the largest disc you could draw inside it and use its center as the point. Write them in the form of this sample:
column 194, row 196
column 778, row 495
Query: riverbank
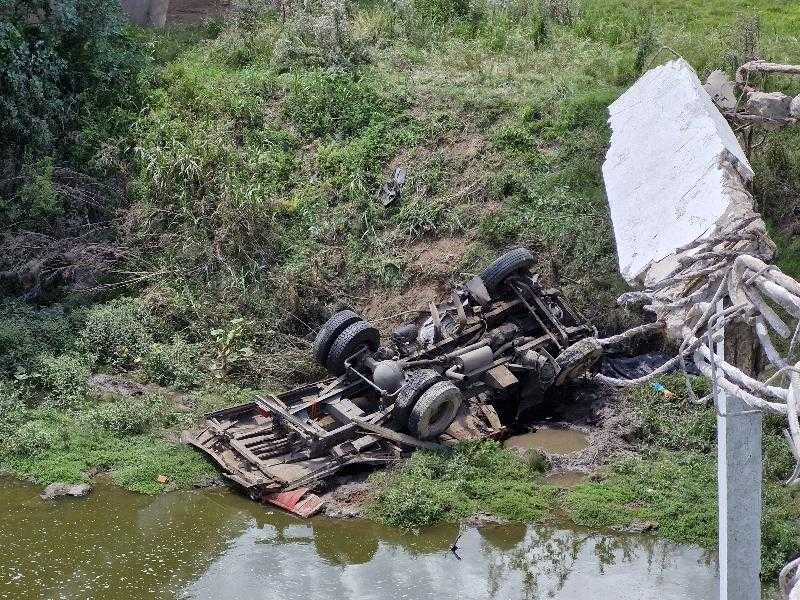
column 648, row 465
column 188, row 229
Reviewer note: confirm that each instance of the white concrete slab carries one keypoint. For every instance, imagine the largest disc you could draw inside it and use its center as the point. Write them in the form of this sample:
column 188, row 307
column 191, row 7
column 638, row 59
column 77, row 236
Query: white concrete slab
column 666, row 170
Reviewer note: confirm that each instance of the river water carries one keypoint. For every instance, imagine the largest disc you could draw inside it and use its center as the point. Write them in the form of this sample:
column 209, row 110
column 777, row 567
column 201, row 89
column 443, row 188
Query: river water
column 214, row 544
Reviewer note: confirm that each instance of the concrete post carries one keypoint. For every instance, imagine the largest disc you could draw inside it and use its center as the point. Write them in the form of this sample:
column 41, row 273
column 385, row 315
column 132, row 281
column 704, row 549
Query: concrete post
column 739, row 487
column 147, row 13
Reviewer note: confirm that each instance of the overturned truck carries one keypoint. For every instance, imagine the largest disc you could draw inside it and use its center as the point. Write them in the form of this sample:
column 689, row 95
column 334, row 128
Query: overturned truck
column 466, row 368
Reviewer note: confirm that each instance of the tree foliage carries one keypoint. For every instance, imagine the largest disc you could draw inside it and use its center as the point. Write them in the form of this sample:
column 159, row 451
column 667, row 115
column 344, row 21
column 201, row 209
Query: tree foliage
column 59, row 60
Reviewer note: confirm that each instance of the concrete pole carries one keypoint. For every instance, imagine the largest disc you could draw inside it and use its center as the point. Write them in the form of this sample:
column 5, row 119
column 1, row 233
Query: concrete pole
column 739, row 486
column 147, row 13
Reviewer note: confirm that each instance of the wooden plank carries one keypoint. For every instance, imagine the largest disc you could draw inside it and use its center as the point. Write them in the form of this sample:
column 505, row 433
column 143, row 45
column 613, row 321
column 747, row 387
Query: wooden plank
column 491, row 415
column 278, row 408
column 261, row 439
column 396, row 436
column 255, row 460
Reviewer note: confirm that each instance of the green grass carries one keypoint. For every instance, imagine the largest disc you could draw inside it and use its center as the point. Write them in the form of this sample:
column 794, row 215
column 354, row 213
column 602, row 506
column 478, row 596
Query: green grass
column 445, row 486
column 133, row 462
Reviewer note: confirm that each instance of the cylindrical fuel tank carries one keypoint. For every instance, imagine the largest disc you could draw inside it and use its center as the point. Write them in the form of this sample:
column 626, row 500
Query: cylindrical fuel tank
column 475, row 360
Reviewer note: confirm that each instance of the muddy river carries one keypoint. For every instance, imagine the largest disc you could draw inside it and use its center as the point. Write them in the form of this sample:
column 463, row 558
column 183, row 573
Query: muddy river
column 213, row 544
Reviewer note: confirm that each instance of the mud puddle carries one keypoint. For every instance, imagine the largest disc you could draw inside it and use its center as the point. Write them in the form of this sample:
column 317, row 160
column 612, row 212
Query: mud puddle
column 213, row 544
column 552, row 440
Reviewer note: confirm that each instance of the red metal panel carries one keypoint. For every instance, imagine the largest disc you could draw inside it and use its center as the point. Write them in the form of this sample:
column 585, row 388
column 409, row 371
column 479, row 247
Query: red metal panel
column 298, row 502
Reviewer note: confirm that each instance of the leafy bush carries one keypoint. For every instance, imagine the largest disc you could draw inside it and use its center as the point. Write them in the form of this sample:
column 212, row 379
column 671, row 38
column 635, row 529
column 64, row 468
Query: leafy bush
column 117, row 332
column 12, row 408
column 127, row 415
column 74, row 55
column 336, row 103
column 438, row 12
column 36, row 437
column 36, row 199
column 173, row 364
column 26, row 332
column 318, row 33
column 64, row 379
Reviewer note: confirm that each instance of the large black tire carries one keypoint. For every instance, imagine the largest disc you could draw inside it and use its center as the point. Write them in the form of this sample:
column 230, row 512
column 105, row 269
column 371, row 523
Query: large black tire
column 330, row 331
column 509, row 263
column 577, row 359
column 417, row 381
column 349, row 342
column 435, row 410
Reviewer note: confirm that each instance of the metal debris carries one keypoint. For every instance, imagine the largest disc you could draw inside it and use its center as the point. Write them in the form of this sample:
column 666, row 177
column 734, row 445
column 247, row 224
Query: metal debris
column 390, row 192
column 465, row 369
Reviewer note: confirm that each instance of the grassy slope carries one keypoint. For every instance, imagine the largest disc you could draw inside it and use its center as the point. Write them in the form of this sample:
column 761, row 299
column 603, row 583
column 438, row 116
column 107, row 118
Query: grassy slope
column 254, row 168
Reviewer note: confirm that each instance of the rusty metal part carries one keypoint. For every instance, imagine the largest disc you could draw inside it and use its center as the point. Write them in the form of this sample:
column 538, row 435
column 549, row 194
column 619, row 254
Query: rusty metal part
column 299, row 502
column 494, row 350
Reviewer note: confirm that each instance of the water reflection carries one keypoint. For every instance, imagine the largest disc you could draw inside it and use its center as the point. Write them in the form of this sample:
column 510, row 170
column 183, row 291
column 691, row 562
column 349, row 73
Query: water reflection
column 217, row 545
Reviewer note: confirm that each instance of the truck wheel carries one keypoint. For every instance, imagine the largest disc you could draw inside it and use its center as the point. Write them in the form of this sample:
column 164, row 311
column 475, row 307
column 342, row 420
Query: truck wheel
column 505, row 265
column 435, row 410
column 330, row 331
column 577, row 359
column 350, row 341
column 417, row 381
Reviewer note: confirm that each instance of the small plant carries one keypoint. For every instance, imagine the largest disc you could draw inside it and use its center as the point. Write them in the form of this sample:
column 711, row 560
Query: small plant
column 173, row 364
column 647, row 44
column 230, row 347
column 744, row 41
column 37, row 200
column 64, row 379
column 117, row 332
column 127, row 416
column 36, row 437
column 563, row 12
column 25, row 333
column 12, row 408
column 319, row 33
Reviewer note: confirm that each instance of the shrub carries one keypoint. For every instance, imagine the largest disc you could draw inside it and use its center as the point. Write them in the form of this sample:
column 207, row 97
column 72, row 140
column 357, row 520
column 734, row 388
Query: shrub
column 25, row 333
column 318, row 33
column 117, row 332
column 36, row 437
column 173, row 364
column 64, row 379
column 335, row 103
column 12, row 408
column 76, row 54
column 36, row 199
column 127, row 416
column 438, row 12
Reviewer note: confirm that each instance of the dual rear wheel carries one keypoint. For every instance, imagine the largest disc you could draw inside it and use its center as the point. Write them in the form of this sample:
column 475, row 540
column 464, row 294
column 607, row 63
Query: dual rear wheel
column 344, row 334
column 427, row 404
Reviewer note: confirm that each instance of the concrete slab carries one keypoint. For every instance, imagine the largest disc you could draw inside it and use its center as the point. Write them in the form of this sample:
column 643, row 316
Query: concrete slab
column 668, row 167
